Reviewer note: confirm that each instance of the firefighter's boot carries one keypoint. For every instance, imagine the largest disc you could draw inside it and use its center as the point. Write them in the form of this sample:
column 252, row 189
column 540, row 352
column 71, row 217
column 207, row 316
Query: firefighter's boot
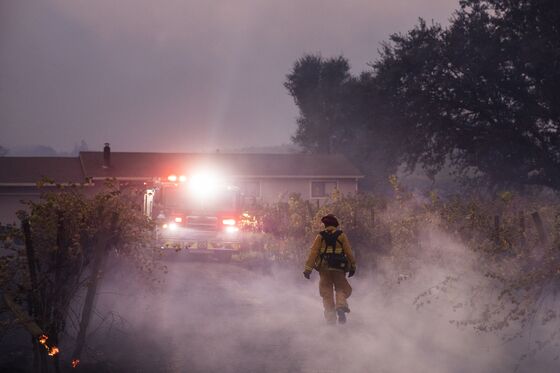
column 341, row 316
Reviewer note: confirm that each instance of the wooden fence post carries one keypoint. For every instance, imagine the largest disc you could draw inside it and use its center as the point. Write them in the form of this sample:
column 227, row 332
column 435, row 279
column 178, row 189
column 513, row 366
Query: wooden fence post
column 540, row 227
column 497, row 230
column 522, row 227
column 34, row 303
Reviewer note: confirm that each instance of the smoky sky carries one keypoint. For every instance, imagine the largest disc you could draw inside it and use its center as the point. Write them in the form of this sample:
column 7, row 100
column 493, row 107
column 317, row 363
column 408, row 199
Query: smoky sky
column 176, row 75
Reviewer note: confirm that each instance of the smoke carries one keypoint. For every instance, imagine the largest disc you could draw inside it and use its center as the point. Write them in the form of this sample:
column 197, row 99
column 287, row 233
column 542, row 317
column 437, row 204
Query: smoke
column 175, row 75
column 208, row 316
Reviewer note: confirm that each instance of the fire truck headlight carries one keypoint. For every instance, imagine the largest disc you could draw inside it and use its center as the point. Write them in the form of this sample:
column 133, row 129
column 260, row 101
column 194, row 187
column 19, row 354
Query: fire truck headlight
column 228, row 222
column 204, row 184
column 231, row 229
column 172, row 226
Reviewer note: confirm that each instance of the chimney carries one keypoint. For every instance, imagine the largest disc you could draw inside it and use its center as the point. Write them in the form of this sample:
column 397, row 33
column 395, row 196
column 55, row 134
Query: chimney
column 106, row 156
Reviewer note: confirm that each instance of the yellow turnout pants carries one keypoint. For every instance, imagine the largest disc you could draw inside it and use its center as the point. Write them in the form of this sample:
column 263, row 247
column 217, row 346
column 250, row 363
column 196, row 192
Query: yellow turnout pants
column 330, row 280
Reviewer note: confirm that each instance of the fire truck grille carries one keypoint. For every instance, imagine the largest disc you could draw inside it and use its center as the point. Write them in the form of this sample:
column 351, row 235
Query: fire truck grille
column 203, row 222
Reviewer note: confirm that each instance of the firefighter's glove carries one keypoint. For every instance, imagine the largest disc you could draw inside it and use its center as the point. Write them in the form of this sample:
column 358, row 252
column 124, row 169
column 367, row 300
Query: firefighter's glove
column 351, row 272
column 307, row 274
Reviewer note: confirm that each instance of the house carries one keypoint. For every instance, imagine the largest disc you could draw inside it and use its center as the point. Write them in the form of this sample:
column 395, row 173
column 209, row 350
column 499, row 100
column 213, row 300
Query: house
column 19, row 177
column 260, row 177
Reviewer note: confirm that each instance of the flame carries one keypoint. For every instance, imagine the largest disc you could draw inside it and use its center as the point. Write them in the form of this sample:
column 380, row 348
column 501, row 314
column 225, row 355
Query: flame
column 53, row 351
column 43, row 339
column 75, row 363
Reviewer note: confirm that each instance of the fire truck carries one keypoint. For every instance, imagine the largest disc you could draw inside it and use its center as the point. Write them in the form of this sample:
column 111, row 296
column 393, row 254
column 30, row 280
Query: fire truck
column 199, row 214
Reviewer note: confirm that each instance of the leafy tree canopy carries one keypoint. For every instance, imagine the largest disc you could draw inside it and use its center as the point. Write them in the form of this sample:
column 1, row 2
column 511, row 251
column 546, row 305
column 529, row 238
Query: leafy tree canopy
column 342, row 113
column 482, row 94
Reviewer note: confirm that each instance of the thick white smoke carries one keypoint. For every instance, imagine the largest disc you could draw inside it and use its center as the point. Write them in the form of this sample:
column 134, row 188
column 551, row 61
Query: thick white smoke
column 217, row 317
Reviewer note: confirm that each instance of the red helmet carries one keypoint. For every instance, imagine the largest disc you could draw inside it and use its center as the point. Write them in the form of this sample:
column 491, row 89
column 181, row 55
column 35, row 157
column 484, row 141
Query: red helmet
column 329, row 220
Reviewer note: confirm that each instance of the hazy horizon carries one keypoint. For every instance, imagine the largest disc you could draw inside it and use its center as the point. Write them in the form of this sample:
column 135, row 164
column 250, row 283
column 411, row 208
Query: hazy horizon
column 176, row 75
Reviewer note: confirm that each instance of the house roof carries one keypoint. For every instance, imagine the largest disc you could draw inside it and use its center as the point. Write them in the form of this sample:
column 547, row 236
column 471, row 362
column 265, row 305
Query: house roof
column 141, row 166
column 29, row 170
column 246, row 165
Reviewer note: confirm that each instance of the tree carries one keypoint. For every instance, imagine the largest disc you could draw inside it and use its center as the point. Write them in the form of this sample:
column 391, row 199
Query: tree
column 67, row 238
column 83, row 147
column 320, row 89
column 3, row 151
column 480, row 94
column 340, row 113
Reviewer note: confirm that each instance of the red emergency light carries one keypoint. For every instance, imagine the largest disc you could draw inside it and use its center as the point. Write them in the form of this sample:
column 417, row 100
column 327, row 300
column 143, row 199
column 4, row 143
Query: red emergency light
column 174, row 178
column 230, row 225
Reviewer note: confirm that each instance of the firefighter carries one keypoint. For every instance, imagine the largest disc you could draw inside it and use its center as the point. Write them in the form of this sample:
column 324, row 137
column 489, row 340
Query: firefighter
column 332, row 256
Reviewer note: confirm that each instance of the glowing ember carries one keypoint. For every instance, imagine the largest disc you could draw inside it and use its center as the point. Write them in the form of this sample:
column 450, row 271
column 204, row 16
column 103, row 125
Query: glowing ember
column 53, row 351
column 75, row 363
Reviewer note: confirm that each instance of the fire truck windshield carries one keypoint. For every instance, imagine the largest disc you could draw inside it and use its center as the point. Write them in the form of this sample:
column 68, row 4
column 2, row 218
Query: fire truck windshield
column 180, row 198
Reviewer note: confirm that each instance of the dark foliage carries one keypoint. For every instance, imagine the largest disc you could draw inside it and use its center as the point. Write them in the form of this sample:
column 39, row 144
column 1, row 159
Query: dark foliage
column 481, row 94
column 341, row 113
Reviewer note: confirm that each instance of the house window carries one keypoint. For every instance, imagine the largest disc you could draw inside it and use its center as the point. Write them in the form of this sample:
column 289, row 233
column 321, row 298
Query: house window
column 251, row 188
column 322, row 189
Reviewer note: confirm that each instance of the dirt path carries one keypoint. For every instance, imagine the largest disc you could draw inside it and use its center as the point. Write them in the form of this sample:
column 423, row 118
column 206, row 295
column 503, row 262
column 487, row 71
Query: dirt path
column 216, row 317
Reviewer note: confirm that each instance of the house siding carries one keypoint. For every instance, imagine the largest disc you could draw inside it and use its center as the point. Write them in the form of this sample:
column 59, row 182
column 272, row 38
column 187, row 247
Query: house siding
column 348, row 186
column 274, row 190
column 279, row 189
column 12, row 198
column 11, row 202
